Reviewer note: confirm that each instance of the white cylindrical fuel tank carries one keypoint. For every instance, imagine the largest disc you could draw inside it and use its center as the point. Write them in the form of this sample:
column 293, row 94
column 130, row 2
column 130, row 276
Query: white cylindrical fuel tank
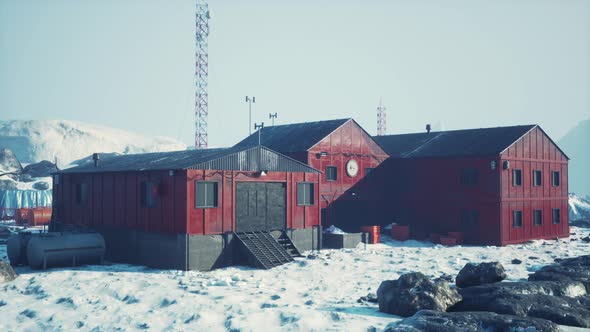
column 16, row 247
column 65, row 249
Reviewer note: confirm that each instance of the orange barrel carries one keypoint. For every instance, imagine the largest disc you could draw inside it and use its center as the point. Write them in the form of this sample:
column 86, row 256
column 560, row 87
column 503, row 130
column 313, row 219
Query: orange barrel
column 447, row 241
column 40, row 216
column 401, row 233
column 374, row 233
column 23, row 216
column 457, row 236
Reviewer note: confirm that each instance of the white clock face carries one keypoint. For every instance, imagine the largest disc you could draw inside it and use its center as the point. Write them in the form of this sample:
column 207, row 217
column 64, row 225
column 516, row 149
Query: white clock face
column 352, row 168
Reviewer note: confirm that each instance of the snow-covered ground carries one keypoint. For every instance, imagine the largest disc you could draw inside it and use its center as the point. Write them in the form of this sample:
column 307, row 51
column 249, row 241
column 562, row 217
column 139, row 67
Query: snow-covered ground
column 309, row 294
column 70, row 140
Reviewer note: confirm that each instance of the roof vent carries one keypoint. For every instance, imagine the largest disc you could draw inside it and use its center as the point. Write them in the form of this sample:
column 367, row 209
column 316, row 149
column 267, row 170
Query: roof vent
column 96, row 158
column 428, row 128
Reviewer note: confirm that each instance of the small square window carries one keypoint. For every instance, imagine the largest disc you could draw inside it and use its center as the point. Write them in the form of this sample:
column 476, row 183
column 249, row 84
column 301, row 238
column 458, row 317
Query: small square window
column 516, row 219
column 555, row 178
column 516, row 177
column 538, row 217
column 148, row 194
column 556, row 216
column 469, row 176
column 205, row 194
column 331, row 173
column 537, row 178
column 305, row 194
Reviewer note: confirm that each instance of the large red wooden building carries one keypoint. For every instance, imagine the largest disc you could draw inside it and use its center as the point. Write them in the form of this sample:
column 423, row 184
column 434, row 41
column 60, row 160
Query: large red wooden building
column 344, row 152
column 181, row 209
column 497, row 185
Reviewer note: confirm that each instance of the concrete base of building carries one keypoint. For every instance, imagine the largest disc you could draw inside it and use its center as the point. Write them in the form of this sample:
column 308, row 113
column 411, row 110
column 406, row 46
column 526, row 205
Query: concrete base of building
column 340, row 241
column 186, row 251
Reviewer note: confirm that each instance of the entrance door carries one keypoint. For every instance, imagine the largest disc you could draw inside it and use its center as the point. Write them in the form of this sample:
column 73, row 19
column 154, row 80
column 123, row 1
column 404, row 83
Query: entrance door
column 261, row 206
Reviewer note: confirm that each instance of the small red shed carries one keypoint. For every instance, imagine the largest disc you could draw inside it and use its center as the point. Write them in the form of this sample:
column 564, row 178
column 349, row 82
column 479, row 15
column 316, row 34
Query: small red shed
column 181, row 209
column 344, row 152
column 497, row 186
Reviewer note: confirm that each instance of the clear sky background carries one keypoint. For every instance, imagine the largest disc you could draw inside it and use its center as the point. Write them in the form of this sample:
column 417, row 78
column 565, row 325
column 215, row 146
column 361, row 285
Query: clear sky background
column 465, row 64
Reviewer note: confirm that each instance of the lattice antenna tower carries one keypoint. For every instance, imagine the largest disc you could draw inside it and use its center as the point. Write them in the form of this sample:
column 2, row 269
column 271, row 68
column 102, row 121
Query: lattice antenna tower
column 201, row 74
column 381, row 120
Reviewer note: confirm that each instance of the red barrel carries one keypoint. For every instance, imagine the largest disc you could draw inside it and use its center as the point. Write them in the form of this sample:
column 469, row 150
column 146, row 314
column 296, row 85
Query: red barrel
column 435, row 237
column 40, row 216
column 374, row 233
column 401, row 233
column 448, row 241
column 23, row 216
column 457, row 236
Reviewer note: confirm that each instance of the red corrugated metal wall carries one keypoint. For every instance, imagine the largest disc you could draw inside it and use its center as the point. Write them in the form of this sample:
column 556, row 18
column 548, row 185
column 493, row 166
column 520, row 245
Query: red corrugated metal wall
column 535, row 151
column 222, row 219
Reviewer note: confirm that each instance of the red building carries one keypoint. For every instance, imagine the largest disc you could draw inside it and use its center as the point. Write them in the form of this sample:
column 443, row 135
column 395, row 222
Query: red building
column 182, row 209
column 498, row 186
column 343, row 151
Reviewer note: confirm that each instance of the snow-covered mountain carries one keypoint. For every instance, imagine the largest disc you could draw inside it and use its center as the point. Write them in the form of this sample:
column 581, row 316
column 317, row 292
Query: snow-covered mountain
column 579, row 208
column 576, row 144
column 36, row 140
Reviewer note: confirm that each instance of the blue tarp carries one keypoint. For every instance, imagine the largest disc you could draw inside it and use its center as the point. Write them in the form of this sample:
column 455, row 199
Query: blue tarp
column 15, row 199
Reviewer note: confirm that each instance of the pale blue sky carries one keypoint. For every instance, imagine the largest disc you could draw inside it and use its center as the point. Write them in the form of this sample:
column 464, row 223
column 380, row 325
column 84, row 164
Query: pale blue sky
column 129, row 64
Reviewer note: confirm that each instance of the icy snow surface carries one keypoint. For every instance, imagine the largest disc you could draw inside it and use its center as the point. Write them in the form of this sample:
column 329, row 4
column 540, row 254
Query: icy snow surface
column 309, row 294
column 71, row 140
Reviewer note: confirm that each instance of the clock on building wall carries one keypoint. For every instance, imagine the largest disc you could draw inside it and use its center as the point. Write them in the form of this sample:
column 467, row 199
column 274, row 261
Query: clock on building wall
column 352, row 168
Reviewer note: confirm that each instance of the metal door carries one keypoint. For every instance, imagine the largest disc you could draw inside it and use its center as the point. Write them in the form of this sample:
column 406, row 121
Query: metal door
column 261, row 206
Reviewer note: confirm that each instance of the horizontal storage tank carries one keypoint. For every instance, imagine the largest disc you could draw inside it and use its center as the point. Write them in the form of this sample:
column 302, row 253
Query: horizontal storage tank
column 65, row 249
column 16, row 247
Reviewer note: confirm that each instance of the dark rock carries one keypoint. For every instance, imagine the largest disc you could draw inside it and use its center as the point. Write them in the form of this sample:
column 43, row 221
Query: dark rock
column 9, row 164
column 6, row 272
column 26, row 178
column 555, row 288
column 478, row 274
column 434, row 321
column 446, row 277
column 527, row 300
column 569, row 269
column 41, row 169
column 371, row 298
column 41, row 185
column 413, row 292
column 533, row 257
column 586, row 239
column 7, row 185
column 516, row 261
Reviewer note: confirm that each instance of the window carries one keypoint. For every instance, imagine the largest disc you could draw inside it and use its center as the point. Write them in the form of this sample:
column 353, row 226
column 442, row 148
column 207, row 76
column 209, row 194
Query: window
column 555, row 179
column 469, row 176
column 516, row 177
column 368, row 170
column 331, row 173
column 556, row 216
column 305, row 193
column 148, row 194
column 538, row 217
column 516, row 219
column 205, row 194
column 469, row 217
column 536, row 178
column 81, row 193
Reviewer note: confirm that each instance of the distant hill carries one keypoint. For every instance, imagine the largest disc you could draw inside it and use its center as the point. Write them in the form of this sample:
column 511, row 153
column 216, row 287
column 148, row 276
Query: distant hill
column 36, row 140
column 576, row 144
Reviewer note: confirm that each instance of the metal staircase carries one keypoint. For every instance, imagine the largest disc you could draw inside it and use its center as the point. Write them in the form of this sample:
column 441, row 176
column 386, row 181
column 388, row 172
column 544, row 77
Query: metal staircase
column 285, row 241
column 263, row 249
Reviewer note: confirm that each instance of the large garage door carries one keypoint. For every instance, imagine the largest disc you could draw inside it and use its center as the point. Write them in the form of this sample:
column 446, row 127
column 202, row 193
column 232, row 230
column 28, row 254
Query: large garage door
column 260, row 206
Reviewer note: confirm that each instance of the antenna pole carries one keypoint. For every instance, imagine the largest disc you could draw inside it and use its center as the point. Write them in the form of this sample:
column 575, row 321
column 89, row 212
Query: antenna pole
column 250, row 101
column 273, row 117
column 201, row 74
column 259, row 127
column 381, row 119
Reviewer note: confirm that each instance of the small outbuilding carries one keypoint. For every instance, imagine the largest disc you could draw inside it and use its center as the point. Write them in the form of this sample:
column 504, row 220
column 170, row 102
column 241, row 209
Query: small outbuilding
column 184, row 209
column 496, row 186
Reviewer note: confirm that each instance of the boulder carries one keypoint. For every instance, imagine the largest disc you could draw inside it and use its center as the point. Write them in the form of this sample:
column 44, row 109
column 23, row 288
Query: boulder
column 413, row 292
column 6, row 272
column 569, row 269
column 515, row 300
column 41, row 169
column 516, row 261
column 41, row 185
column 478, row 274
column 427, row 320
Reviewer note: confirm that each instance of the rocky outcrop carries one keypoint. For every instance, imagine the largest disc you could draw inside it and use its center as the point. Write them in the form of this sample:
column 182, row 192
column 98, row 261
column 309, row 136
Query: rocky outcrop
column 6, row 272
column 478, row 274
column 413, row 292
column 570, row 269
column 427, row 320
column 41, row 169
column 9, row 164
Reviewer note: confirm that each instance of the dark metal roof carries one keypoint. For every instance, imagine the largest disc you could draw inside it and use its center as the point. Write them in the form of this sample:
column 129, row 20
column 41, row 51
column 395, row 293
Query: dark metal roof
column 295, row 137
column 242, row 159
column 452, row 143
